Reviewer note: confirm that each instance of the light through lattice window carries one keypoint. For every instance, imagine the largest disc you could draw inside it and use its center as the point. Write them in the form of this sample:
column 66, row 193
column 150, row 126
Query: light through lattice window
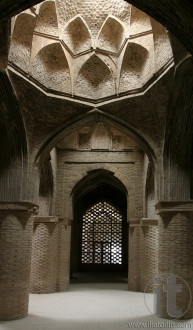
column 102, row 235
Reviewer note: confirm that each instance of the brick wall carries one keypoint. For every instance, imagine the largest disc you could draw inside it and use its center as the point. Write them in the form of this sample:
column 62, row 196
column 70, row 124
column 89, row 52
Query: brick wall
column 44, row 256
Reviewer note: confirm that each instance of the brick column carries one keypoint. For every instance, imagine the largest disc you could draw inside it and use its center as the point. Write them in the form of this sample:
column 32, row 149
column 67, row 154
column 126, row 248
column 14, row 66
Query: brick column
column 16, row 229
column 64, row 244
column 148, row 253
column 44, row 255
column 176, row 253
column 134, row 255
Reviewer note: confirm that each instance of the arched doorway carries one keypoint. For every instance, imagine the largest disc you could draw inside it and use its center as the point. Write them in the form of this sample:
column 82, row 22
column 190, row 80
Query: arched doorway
column 100, row 229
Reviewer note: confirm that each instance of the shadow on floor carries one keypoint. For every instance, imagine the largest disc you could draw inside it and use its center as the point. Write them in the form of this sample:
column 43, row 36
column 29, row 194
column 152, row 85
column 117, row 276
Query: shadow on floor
column 98, row 277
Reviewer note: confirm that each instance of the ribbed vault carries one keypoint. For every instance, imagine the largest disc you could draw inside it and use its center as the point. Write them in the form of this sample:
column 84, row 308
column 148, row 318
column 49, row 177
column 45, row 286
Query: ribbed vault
column 96, row 47
column 164, row 11
column 47, row 19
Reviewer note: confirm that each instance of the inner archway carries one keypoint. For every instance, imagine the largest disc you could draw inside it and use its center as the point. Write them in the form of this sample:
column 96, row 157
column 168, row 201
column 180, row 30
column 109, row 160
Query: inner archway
column 100, row 229
column 100, row 163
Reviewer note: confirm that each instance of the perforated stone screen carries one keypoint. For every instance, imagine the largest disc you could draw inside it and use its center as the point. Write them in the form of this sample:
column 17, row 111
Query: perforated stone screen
column 102, row 235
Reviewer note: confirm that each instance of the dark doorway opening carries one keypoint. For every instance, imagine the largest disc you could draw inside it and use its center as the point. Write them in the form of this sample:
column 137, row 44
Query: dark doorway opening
column 100, row 229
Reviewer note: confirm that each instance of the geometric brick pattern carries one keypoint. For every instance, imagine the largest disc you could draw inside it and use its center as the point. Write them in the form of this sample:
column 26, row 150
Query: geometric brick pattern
column 175, row 230
column 97, row 136
column 111, row 36
column 21, row 42
column 69, row 142
column 135, row 68
column 70, row 8
column 67, row 49
column 96, row 77
column 77, row 37
column 47, row 19
column 51, row 67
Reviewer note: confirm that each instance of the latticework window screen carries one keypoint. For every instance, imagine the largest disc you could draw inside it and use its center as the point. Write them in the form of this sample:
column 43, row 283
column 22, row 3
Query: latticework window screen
column 102, row 235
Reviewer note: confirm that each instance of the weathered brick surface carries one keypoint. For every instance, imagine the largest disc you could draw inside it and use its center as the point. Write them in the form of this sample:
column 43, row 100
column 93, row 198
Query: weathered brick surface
column 146, row 114
column 47, row 19
column 73, row 26
column 96, row 78
column 134, row 257
column 176, row 250
column 162, row 46
column 69, row 174
column 63, row 255
column 16, row 229
column 140, row 21
column 68, row 9
column 136, row 68
column 21, row 42
column 44, row 255
column 122, row 158
column 51, row 68
column 44, row 206
column 111, row 36
column 149, row 250
column 77, row 36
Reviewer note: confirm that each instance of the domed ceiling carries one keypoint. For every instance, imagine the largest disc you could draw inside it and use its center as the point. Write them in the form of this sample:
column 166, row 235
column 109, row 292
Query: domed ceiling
column 89, row 50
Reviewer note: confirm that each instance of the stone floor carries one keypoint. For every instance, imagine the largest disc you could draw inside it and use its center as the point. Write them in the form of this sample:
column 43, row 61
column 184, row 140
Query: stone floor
column 101, row 303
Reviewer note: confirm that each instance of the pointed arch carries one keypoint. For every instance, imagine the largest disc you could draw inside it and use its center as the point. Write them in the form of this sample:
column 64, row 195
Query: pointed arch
column 77, row 35
column 50, row 68
column 21, row 44
column 111, row 36
column 135, row 69
column 93, row 180
column 95, row 79
column 86, row 120
column 154, row 8
column 98, row 199
column 47, row 19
